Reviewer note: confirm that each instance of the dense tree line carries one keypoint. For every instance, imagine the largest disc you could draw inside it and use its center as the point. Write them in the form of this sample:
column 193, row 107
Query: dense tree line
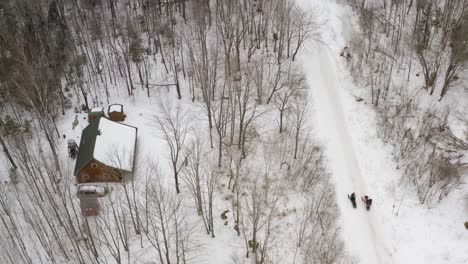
column 408, row 42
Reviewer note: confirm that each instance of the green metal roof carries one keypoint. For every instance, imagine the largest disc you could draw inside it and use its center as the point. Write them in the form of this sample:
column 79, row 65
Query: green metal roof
column 87, row 142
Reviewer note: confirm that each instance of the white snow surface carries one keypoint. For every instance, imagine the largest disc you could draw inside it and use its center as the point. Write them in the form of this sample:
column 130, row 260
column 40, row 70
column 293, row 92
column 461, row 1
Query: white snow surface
column 398, row 229
column 115, row 145
column 115, row 108
column 91, row 188
column 97, row 109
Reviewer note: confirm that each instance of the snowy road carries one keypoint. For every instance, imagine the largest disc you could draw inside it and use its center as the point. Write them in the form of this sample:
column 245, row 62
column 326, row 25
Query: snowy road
column 360, row 162
column 359, row 231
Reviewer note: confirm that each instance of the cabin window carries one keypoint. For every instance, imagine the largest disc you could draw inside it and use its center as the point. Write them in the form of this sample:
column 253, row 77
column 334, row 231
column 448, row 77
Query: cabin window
column 85, row 177
column 94, row 165
column 105, row 177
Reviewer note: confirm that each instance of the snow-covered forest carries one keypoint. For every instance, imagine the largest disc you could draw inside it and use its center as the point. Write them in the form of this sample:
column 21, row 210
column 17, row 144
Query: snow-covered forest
column 233, row 131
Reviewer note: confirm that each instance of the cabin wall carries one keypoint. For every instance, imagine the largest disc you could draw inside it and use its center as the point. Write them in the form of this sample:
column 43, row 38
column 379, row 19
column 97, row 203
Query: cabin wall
column 116, row 116
column 92, row 116
column 100, row 174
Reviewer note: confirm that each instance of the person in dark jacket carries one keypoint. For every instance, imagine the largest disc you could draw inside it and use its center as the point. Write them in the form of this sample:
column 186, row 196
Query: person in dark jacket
column 352, row 197
column 345, row 53
column 367, row 201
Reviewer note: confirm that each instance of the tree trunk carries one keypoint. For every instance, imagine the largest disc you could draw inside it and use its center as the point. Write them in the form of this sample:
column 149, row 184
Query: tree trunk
column 7, row 153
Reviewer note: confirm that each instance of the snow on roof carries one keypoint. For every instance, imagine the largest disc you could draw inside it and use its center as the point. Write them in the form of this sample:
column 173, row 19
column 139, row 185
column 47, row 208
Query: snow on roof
column 87, row 188
column 115, row 144
column 115, row 108
column 97, row 109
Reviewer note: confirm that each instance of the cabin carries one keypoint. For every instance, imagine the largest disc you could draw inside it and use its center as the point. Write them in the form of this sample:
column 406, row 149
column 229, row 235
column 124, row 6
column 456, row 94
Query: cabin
column 95, row 113
column 116, row 113
column 106, row 152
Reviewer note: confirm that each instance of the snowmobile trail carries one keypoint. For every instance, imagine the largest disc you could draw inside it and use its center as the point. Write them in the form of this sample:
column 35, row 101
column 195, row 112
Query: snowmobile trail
column 359, row 230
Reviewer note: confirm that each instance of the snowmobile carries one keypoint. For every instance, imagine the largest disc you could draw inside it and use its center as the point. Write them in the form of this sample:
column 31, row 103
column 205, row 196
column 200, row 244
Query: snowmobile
column 352, row 198
column 367, row 201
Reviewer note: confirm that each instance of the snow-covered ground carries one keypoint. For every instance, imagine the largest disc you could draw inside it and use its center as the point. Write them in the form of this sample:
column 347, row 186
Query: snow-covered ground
column 397, row 229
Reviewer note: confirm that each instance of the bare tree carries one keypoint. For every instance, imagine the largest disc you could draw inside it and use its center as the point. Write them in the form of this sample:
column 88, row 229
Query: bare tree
column 300, row 115
column 260, row 208
column 211, row 180
column 293, row 87
column 174, row 127
column 193, row 175
column 306, row 27
column 221, row 120
column 204, row 60
column 5, row 148
column 459, row 53
column 170, row 233
column 247, row 109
